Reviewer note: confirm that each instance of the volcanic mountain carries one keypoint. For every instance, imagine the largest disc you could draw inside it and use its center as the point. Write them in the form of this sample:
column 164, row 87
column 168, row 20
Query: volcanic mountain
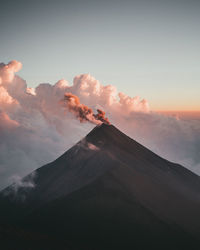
column 106, row 192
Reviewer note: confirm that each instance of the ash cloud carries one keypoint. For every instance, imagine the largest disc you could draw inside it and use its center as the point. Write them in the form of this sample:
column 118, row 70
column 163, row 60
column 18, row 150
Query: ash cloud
column 83, row 112
column 36, row 128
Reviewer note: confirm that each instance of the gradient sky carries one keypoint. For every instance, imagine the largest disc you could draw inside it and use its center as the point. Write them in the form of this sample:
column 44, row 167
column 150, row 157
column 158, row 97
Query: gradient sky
column 146, row 48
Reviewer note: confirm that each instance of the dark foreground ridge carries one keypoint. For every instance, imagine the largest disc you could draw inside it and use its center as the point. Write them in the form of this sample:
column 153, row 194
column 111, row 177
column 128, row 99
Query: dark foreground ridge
column 106, row 192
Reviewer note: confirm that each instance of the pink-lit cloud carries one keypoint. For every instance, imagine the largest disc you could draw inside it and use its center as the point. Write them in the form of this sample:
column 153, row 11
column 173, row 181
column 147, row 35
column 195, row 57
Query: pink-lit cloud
column 6, row 123
column 7, row 71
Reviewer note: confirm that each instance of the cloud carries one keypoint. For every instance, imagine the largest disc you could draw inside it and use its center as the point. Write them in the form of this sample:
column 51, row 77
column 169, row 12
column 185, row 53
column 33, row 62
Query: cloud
column 20, row 186
column 7, row 71
column 22, row 183
column 36, row 128
column 5, row 98
column 6, row 123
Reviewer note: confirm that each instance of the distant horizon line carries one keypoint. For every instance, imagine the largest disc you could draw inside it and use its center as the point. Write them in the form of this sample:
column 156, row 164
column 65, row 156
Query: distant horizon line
column 167, row 111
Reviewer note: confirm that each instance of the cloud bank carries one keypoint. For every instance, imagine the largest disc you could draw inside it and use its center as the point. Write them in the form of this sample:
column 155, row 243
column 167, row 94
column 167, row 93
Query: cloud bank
column 35, row 126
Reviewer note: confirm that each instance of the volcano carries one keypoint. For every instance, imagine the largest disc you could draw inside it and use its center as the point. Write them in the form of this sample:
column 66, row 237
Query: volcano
column 106, row 192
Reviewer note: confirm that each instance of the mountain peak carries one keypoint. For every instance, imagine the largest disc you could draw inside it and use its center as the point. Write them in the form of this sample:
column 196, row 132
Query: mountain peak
column 107, row 134
column 109, row 186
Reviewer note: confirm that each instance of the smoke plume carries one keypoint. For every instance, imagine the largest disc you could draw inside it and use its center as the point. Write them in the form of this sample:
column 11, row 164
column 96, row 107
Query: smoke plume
column 83, row 112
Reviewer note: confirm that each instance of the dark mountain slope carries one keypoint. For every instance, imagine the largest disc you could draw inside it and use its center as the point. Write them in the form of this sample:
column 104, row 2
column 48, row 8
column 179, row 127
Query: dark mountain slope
column 105, row 215
column 110, row 192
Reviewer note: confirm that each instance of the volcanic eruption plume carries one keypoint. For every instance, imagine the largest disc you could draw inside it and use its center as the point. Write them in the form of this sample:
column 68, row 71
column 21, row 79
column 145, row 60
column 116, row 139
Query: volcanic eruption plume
column 83, row 112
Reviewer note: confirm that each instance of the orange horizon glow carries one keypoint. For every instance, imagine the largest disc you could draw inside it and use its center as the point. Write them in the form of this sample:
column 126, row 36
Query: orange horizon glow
column 187, row 114
column 176, row 110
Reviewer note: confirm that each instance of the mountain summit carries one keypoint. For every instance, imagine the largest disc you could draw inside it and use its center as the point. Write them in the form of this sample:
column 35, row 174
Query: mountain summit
column 108, row 192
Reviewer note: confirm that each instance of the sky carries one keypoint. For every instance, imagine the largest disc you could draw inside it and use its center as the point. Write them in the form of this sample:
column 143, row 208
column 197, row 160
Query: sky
column 61, row 61
column 146, row 48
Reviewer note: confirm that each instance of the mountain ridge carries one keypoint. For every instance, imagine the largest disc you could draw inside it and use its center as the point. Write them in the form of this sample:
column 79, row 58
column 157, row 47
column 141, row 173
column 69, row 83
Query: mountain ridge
column 110, row 182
